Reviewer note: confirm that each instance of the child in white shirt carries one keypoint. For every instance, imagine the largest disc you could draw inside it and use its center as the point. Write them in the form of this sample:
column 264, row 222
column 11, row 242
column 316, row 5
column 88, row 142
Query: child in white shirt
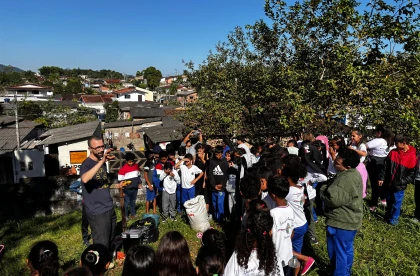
column 188, row 177
column 170, row 180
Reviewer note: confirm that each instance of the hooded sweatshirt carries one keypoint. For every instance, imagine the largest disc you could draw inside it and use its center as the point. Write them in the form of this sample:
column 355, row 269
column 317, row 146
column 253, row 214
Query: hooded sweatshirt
column 218, row 173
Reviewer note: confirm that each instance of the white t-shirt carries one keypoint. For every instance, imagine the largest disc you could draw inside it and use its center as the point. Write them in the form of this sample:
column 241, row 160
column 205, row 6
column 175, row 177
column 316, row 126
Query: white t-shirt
column 283, row 218
column 361, row 147
column 170, row 182
column 296, row 199
column 378, row 147
column 233, row 269
column 188, row 175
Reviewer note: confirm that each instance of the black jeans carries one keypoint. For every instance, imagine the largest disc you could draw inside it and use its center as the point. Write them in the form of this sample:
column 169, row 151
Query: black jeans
column 85, row 225
column 103, row 227
column 374, row 167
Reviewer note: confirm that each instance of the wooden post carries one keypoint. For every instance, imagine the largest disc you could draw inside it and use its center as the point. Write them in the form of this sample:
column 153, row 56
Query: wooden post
column 123, row 218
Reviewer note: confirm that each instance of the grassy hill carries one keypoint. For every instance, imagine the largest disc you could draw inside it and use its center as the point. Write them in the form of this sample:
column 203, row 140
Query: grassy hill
column 14, row 69
column 380, row 249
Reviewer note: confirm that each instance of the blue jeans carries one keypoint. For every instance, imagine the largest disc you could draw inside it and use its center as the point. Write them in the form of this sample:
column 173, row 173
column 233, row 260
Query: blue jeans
column 187, row 194
column 218, row 200
column 393, row 206
column 340, row 249
column 298, row 234
column 178, row 198
column 130, row 201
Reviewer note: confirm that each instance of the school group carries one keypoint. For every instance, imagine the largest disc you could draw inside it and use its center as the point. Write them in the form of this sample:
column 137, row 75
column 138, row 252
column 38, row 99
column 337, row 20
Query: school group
column 272, row 195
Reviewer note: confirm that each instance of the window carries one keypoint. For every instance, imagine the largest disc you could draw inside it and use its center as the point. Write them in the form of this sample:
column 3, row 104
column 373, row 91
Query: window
column 191, row 97
column 77, row 157
column 35, row 92
column 30, row 166
column 127, row 96
column 22, row 166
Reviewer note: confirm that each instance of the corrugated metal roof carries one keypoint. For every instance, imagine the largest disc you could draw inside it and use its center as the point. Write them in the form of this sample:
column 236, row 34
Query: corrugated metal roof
column 129, row 123
column 68, row 133
column 142, row 112
column 8, row 135
column 164, row 134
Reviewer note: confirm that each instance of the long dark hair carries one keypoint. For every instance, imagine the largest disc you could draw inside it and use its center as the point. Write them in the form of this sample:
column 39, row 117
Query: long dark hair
column 257, row 236
column 173, row 256
column 140, row 260
column 217, row 239
column 43, row 257
column 209, row 261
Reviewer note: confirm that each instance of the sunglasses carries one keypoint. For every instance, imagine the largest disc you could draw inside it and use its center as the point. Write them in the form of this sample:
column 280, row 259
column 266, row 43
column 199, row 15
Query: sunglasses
column 98, row 147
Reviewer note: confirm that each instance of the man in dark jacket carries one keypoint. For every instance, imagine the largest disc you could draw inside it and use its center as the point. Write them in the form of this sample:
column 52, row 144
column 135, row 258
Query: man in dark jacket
column 217, row 173
column 398, row 171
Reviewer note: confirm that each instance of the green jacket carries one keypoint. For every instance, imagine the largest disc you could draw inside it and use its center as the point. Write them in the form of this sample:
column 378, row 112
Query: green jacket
column 343, row 200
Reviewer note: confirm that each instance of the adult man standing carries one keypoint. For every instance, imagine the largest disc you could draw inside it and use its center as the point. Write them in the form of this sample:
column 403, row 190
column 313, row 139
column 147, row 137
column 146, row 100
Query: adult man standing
column 96, row 194
column 343, row 201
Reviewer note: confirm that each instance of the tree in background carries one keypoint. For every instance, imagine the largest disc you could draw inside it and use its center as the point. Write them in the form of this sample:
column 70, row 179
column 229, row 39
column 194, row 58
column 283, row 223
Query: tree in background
column 29, row 110
column 73, row 86
column 315, row 63
column 112, row 111
column 153, row 77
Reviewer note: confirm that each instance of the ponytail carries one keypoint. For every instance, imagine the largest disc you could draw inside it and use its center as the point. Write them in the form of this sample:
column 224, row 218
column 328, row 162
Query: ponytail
column 43, row 257
column 96, row 257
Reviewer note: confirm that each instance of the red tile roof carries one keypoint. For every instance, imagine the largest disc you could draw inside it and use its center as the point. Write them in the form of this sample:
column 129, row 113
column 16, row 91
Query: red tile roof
column 96, row 99
column 125, row 90
column 112, row 81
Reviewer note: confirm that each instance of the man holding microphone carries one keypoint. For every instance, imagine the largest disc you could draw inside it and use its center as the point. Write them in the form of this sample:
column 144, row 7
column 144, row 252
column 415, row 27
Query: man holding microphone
column 96, row 194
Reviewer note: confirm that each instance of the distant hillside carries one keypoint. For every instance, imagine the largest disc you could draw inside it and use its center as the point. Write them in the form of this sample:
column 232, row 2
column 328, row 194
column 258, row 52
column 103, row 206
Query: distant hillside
column 15, row 69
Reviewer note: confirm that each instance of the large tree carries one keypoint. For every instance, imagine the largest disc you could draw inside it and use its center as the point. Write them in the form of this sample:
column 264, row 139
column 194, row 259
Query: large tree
column 313, row 63
column 153, row 77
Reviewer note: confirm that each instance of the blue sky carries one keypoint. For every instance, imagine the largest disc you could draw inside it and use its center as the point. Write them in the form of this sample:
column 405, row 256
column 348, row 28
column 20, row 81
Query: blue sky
column 125, row 36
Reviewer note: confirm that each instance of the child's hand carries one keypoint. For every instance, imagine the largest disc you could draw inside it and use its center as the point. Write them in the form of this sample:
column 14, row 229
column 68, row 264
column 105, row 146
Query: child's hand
column 218, row 187
column 171, row 174
column 193, row 182
column 150, row 188
column 380, row 182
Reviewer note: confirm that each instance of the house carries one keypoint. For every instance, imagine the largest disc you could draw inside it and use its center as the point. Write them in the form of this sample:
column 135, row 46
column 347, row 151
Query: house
column 146, row 112
column 96, row 102
column 111, row 82
column 149, row 96
column 186, row 97
column 125, row 108
column 23, row 160
column 169, row 132
column 121, row 133
column 67, row 146
column 104, row 89
column 129, row 94
column 29, row 92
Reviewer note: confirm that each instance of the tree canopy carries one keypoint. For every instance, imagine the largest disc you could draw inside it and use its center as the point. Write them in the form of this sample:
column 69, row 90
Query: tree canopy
column 153, row 77
column 309, row 65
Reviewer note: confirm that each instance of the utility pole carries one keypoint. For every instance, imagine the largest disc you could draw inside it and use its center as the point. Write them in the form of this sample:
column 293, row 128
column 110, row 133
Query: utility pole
column 17, row 125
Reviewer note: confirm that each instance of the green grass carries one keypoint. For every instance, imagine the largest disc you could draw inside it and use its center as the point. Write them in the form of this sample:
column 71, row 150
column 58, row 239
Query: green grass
column 380, row 249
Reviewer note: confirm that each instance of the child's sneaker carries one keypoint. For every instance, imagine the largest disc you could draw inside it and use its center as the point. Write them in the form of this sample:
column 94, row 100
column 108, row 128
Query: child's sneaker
column 308, row 265
column 163, row 218
column 372, row 209
column 173, row 218
column 382, row 203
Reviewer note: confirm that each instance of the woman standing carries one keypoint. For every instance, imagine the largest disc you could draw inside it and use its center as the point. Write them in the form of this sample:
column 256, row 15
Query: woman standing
column 378, row 149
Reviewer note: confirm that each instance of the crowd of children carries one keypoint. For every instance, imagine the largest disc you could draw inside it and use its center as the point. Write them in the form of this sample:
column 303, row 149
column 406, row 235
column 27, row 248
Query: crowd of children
column 270, row 195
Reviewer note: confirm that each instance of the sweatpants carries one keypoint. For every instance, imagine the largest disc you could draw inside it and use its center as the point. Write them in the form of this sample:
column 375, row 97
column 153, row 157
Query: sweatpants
column 168, row 203
column 309, row 214
column 394, row 202
column 218, row 199
column 103, row 227
column 85, row 225
column 340, row 249
column 374, row 167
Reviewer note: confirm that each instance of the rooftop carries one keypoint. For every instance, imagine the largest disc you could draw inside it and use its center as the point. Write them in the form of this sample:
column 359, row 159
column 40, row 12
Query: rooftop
column 130, row 123
column 96, row 98
column 8, row 135
column 68, row 133
column 146, row 112
column 28, row 86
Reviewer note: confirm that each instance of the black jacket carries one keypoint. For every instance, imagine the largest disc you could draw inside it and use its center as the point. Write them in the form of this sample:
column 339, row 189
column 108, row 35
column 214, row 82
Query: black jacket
column 399, row 169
